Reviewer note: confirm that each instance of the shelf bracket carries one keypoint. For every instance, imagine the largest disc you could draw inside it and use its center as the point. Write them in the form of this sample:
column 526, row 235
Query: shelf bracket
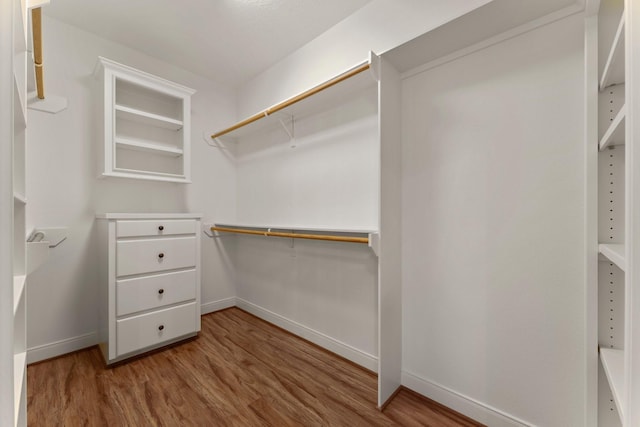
column 218, row 142
column 287, row 122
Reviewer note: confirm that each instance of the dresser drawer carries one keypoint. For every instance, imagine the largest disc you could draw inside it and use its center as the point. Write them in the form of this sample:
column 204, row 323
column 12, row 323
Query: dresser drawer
column 151, row 292
column 146, row 256
column 156, row 227
column 138, row 332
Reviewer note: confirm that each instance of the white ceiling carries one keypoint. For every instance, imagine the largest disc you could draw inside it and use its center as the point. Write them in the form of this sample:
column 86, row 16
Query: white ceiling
column 228, row 41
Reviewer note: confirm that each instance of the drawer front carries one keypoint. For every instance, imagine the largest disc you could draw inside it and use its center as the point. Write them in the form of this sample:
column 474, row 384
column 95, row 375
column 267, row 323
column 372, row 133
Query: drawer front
column 151, row 292
column 155, row 227
column 146, row 256
column 138, row 332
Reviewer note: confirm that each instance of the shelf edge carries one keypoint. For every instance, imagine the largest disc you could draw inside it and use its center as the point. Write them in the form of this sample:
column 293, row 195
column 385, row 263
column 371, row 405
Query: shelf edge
column 614, row 253
column 614, row 52
column 613, row 363
column 149, row 116
column 18, row 290
column 19, row 370
column 148, row 146
column 618, row 121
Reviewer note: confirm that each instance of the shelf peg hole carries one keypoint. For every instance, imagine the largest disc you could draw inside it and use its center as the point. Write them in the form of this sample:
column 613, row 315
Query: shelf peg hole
column 161, row 327
column 160, row 255
column 161, row 291
column 161, row 227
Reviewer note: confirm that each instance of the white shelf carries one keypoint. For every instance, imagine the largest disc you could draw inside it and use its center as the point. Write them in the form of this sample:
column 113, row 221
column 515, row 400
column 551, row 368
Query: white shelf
column 129, row 215
column 144, row 117
column 613, row 364
column 147, row 146
column 18, row 290
column 615, row 253
column 19, row 368
column 20, row 198
column 615, row 132
column 149, row 175
column 324, row 100
column 614, row 67
column 297, row 228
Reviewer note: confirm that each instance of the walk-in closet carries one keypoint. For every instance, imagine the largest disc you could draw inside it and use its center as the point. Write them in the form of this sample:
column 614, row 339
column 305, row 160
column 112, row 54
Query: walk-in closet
column 304, row 212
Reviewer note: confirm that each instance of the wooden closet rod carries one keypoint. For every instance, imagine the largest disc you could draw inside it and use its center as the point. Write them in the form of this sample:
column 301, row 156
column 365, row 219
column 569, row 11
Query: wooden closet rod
column 268, row 233
column 297, row 98
column 36, row 24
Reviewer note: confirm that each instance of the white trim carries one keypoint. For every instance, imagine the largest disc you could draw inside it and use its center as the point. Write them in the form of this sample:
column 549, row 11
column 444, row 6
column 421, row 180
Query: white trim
column 472, row 408
column 509, row 34
column 58, row 348
column 590, row 394
column 359, row 357
column 213, row 306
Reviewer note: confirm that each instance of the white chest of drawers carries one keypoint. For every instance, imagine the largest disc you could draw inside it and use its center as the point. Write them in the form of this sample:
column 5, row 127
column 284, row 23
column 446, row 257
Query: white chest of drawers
column 149, row 271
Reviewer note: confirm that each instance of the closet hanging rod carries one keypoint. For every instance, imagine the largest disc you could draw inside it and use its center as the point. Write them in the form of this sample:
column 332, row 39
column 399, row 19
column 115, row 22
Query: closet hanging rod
column 268, row 233
column 293, row 100
column 36, row 24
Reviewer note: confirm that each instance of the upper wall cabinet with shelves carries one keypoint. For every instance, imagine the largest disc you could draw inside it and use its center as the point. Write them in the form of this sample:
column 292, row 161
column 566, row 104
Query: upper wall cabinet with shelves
column 145, row 124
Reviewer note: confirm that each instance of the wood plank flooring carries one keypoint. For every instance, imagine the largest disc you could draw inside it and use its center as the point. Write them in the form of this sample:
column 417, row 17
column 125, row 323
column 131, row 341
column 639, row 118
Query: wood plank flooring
column 240, row 371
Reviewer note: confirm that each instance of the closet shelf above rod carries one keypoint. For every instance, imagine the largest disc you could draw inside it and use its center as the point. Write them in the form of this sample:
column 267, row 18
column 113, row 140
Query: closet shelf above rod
column 294, row 107
column 269, row 233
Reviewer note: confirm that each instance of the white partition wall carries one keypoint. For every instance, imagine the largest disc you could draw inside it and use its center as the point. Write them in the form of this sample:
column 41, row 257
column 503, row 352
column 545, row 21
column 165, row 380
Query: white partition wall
column 389, row 288
column 493, row 231
column 6, row 211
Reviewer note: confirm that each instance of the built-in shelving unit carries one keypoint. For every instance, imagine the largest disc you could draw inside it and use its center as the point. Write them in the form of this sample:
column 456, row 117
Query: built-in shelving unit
column 13, row 388
column 19, row 283
column 614, row 212
column 146, row 125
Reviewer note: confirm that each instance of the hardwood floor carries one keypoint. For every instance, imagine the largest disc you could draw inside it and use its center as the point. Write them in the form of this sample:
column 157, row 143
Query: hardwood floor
column 240, row 371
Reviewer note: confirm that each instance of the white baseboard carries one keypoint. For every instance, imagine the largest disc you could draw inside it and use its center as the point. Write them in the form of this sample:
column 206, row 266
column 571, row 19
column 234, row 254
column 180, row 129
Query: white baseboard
column 350, row 353
column 465, row 405
column 58, row 348
column 210, row 307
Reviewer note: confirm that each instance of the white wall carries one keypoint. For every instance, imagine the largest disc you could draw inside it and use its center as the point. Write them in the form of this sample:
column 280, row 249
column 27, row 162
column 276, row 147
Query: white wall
column 326, row 177
column 63, row 188
column 378, row 27
column 493, row 220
